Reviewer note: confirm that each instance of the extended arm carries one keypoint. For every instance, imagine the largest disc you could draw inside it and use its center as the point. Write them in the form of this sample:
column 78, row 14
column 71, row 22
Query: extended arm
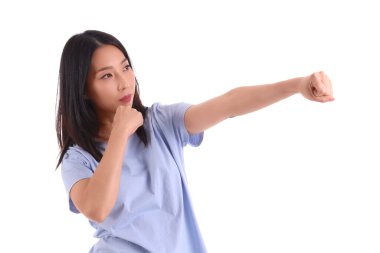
column 243, row 100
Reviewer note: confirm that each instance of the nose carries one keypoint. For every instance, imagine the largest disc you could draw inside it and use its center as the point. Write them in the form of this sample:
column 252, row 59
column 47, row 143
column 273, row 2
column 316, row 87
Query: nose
column 123, row 83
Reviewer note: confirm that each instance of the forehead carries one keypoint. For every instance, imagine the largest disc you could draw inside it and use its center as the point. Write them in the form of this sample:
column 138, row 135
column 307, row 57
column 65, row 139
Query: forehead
column 107, row 55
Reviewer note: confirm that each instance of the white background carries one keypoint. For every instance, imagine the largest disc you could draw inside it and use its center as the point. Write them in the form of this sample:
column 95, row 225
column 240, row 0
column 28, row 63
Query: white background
column 294, row 177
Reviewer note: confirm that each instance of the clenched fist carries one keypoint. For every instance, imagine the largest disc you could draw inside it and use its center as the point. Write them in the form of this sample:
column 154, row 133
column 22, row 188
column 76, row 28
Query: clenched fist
column 126, row 121
column 317, row 87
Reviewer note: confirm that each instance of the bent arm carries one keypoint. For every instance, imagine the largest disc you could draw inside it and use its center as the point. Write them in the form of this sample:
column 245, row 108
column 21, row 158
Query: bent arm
column 95, row 197
column 243, row 100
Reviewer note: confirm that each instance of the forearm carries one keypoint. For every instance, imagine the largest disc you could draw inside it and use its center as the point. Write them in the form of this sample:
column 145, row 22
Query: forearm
column 243, row 100
column 247, row 99
column 102, row 189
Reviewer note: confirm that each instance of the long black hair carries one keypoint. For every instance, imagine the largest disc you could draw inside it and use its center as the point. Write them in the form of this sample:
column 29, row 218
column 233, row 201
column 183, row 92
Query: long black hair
column 76, row 120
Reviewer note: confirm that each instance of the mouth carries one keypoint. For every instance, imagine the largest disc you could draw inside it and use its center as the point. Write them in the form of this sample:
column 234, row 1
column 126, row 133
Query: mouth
column 126, row 99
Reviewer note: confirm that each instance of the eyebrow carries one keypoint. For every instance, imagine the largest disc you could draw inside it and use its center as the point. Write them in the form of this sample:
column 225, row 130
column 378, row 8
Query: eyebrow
column 110, row 67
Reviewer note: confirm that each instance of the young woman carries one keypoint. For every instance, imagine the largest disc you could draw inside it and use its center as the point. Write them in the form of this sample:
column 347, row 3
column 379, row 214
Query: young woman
column 122, row 163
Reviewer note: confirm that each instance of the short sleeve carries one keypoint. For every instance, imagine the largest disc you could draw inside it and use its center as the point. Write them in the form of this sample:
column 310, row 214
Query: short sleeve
column 171, row 119
column 75, row 166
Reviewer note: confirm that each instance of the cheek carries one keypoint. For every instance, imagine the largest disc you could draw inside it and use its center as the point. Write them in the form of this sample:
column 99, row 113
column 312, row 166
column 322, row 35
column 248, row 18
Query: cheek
column 132, row 80
column 101, row 93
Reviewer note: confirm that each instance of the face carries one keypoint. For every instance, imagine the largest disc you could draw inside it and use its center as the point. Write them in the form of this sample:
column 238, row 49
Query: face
column 111, row 81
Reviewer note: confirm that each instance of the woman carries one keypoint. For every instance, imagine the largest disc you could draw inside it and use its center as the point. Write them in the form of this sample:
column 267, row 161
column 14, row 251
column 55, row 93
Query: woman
column 122, row 162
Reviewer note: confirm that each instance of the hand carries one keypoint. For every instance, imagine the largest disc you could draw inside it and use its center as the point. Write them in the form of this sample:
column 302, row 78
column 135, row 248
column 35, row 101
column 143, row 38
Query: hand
column 126, row 121
column 317, row 87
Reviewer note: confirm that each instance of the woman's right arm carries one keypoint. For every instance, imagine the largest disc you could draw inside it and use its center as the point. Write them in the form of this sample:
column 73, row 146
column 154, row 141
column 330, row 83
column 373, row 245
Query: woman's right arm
column 95, row 197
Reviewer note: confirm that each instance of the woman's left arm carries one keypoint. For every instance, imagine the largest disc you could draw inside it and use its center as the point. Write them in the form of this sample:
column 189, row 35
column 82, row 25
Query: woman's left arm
column 243, row 100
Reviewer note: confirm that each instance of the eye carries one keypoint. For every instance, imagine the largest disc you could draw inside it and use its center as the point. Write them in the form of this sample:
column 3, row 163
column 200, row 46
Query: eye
column 106, row 76
column 127, row 67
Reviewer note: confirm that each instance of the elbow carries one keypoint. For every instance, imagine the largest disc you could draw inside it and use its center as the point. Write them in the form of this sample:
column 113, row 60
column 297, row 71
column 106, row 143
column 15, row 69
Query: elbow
column 91, row 204
column 232, row 104
column 98, row 215
column 98, row 218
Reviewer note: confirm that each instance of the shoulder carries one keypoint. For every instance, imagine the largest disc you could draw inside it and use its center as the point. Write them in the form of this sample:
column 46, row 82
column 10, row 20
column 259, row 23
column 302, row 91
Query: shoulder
column 168, row 109
column 165, row 115
column 76, row 154
column 77, row 164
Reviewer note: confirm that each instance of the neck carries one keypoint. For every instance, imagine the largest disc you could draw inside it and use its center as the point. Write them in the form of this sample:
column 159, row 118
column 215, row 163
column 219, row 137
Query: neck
column 105, row 127
column 104, row 133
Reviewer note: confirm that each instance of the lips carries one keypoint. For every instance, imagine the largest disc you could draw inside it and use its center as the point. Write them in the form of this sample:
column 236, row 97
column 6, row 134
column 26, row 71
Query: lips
column 126, row 99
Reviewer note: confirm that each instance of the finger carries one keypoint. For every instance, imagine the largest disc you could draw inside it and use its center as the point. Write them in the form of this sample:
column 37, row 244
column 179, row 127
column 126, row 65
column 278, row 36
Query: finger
column 324, row 99
column 316, row 78
column 323, row 88
column 325, row 78
column 328, row 99
column 328, row 86
column 318, row 88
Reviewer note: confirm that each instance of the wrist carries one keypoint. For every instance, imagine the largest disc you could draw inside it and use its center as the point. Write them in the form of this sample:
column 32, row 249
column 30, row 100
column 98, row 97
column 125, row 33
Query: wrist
column 120, row 137
column 299, row 84
column 293, row 86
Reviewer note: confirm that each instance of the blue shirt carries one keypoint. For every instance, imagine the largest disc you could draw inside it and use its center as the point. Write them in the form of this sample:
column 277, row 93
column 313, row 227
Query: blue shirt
column 153, row 211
